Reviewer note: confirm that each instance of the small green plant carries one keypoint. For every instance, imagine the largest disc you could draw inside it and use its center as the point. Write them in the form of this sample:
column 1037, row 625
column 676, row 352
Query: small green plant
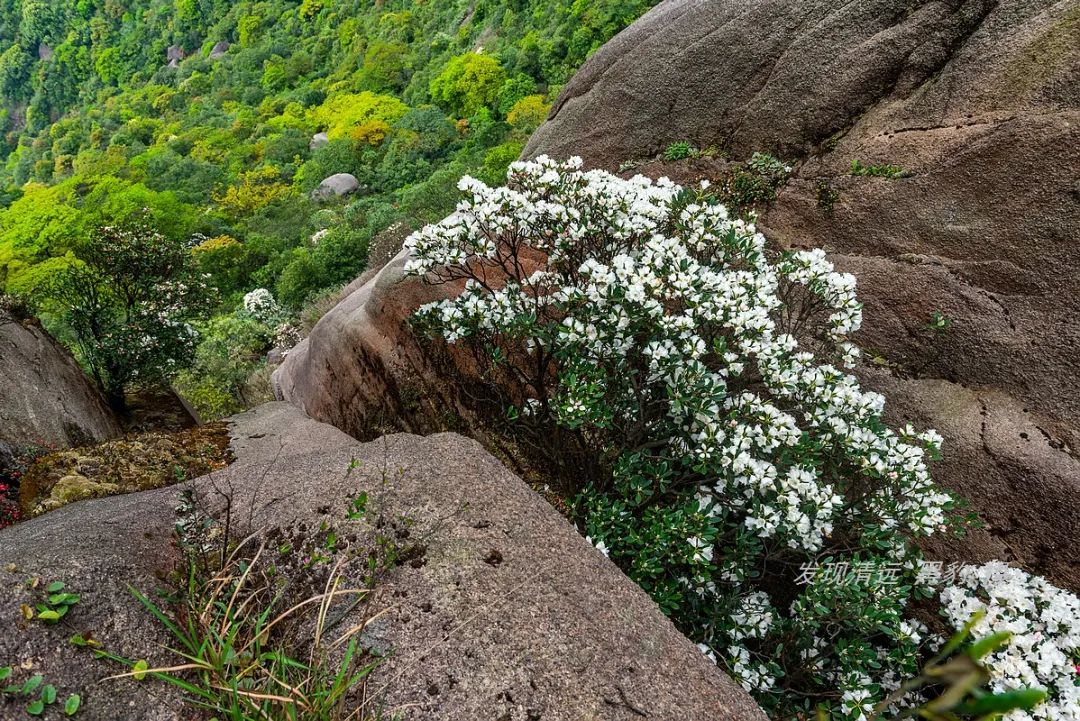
column 768, row 166
column 753, row 184
column 680, row 150
column 35, row 693
column 939, row 323
column 826, row 195
column 935, row 330
column 877, row 171
column 358, row 506
column 238, row 642
column 55, row 603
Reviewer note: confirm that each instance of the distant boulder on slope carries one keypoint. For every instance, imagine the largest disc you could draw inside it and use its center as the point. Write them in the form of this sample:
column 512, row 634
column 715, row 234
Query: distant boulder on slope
column 336, row 186
column 219, row 50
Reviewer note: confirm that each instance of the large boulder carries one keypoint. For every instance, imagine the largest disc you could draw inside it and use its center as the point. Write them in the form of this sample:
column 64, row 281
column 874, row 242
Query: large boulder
column 336, row 186
column 502, row 610
column 979, row 102
column 44, row 396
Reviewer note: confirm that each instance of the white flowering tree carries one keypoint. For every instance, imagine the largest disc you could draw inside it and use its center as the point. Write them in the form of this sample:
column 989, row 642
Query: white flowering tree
column 128, row 301
column 707, row 375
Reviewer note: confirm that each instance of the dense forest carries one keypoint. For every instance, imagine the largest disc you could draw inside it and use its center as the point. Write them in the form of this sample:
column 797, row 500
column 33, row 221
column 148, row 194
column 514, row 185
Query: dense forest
column 206, row 124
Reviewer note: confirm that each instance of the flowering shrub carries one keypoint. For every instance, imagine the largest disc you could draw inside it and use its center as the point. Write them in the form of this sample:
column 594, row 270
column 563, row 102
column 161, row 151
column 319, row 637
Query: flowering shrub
column 706, row 374
column 128, row 301
column 1045, row 622
column 261, row 305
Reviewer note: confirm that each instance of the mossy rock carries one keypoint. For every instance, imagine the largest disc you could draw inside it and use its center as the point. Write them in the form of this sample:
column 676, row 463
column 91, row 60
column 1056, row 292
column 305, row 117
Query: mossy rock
column 135, row 463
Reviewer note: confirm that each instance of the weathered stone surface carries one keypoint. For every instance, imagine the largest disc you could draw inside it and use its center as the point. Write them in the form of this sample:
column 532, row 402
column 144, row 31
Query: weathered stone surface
column 1011, row 464
column 318, row 140
column 44, row 395
column 979, row 102
column 508, row 613
column 336, row 186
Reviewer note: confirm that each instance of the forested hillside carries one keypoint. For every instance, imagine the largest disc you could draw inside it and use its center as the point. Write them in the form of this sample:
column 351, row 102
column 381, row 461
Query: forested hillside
column 198, row 120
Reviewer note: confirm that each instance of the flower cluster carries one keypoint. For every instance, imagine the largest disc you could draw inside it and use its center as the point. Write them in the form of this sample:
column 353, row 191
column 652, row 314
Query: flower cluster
column 261, row 304
column 286, row 337
column 712, row 368
column 1045, row 625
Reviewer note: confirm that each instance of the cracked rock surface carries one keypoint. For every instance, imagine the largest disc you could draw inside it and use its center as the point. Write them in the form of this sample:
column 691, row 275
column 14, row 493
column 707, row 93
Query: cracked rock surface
column 979, row 102
column 504, row 613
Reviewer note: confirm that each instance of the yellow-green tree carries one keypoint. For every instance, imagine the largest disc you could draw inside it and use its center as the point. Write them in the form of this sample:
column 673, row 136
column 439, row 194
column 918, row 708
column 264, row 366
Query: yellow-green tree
column 343, row 112
column 468, row 83
column 256, row 189
column 528, row 113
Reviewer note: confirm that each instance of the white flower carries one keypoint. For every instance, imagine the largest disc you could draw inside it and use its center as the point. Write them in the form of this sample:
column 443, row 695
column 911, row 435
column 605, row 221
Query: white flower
column 599, row 545
column 1046, row 633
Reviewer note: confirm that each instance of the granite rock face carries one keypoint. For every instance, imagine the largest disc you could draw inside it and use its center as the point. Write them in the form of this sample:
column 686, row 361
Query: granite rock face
column 978, row 101
column 503, row 612
column 44, row 395
column 364, row 370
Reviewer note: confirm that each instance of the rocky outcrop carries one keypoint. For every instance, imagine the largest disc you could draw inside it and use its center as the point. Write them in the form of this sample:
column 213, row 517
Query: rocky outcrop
column 364, row 370
column 387, row 244
column 978, row 101
column 336, row 186
column 318, row 140
column 44, row 396
column 502, row 610
column 1012, row 465
column 219, row 50
column 173, row 55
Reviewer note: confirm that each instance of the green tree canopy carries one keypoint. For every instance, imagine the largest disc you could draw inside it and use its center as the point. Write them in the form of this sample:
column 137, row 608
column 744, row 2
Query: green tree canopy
column 468, row 83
